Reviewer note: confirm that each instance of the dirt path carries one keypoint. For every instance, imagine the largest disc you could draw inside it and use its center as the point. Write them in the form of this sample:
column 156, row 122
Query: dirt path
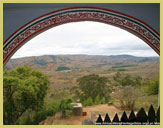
column 92, row 112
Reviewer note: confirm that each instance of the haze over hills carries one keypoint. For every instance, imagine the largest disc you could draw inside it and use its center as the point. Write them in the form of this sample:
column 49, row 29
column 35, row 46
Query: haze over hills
column 64, row 70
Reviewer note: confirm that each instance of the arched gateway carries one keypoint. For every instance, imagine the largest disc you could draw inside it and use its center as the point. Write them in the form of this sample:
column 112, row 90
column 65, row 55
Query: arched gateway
column 42, row 23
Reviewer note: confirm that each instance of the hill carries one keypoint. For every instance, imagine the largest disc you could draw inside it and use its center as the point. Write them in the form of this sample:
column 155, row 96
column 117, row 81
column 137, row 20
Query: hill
column 64, row 70
column 43, row 61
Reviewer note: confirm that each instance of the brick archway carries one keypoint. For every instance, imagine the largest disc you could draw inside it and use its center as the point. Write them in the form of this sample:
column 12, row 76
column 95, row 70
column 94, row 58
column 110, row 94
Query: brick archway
column 42, row 23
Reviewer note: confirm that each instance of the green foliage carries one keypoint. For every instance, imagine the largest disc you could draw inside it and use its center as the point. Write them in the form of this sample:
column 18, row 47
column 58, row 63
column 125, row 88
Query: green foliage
column 60, row 94
column 121, row 70
column 146, row 101
column 92, row 86
column 34, row 118
column 153, row 86
column 48, row 110
column 122, row 66
column 65, row 105
column 97, row 100
column 68, row 112
column 104, row 100
column 128, row 89
column 117, row 77
column 127, row 80
column 24, row 89
column 26, row 118
column 121, row 79
column 88, row 102
column 62, row 68
column 118, row 64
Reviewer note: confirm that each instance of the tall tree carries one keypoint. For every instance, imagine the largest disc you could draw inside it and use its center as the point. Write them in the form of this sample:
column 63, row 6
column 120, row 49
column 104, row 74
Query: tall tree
column 92, row 86
column 24, row 89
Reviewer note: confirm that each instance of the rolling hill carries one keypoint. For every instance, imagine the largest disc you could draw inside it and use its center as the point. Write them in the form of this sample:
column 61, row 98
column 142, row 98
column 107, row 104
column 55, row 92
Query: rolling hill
column 64, row 70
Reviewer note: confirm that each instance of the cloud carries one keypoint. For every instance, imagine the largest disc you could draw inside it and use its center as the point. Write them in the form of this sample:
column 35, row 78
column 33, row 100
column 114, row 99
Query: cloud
column 85, row 38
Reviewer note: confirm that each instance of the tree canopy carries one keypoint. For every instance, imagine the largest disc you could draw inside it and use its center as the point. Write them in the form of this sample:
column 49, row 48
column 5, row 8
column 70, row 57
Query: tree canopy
column 92, row 86
column 65, row 105
column 121, row 79
column 152, row 86
column 24, row 89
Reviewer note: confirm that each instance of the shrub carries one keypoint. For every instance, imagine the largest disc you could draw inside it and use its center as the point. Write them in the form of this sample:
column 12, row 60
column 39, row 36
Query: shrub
column 64, row 106
column 153, row 87
column 97, row 100
column 88, row 102
column 127, row 97
column 51, row 109
column 26, row 118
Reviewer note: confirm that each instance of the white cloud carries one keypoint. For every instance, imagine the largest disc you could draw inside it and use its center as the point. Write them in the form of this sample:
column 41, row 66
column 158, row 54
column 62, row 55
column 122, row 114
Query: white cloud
column 85, row 38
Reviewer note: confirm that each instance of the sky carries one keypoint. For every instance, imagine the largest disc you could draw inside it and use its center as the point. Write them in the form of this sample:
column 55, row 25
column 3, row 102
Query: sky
column 90, row 38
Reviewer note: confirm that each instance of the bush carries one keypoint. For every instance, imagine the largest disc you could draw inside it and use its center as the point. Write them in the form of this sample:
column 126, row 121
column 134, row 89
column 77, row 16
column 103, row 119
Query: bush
column 153, row 87
column 97, row 100
column 51, row 109
column 127, row 97
column 26, row 118
column 68, row 112
column 88, row 102
column 65, row 105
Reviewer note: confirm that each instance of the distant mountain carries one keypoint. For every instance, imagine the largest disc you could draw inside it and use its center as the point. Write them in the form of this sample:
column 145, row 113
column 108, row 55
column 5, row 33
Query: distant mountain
column 122, row 56
column 74, row 60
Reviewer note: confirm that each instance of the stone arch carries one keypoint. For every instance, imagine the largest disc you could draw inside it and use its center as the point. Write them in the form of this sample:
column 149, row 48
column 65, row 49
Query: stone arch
column 52, row 19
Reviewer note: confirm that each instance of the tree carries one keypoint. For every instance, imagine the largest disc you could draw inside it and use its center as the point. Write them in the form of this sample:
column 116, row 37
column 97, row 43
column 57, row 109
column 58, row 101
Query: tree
column 127, row 96
column 88, row 102
column 128, row 90
column 121, row 79
column 153, row 86
column 65, row 105
column 92, row 86
column 24, row 89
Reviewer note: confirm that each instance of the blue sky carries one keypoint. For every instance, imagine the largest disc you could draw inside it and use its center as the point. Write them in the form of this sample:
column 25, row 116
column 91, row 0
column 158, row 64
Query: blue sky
column 90, row 38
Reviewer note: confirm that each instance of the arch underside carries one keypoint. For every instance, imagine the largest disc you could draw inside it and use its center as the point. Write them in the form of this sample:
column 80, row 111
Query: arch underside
column 42, row 23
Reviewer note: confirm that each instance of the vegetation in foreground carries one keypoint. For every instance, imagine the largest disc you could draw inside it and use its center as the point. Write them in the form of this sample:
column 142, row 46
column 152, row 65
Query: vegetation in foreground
column 26, row 90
